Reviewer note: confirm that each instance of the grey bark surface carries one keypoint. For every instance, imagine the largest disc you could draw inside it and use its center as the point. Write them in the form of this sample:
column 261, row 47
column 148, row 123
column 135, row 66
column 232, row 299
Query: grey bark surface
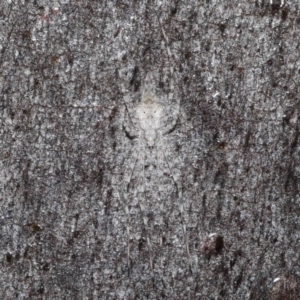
column 64, row 152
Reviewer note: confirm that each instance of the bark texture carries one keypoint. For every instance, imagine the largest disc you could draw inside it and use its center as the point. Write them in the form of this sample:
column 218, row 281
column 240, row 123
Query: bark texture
column 64, row 152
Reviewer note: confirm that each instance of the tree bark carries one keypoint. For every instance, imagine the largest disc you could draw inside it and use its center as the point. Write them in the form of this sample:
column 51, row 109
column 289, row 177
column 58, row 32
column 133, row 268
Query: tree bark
column 72, row 73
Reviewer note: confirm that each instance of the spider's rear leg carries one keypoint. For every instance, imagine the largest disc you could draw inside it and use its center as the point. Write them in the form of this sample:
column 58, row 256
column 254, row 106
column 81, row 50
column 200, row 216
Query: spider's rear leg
column 160, row 190
column 127, row 179
column 141, row 194
column 178, row 185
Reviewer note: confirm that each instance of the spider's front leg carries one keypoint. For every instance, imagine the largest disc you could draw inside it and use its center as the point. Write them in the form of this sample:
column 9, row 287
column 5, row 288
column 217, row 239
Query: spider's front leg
column 168, row 126
column 130, row 124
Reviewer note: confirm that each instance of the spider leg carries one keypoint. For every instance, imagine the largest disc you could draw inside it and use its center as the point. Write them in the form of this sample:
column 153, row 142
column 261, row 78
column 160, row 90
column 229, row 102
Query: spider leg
column 130, row 123
column 175, row 113
column 127, row 180
column 160, row 188
column 178, row 185
column 131, row 126
column 141, row 194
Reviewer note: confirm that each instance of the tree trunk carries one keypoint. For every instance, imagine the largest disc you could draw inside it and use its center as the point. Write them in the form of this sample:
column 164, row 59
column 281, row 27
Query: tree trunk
column 72, row 73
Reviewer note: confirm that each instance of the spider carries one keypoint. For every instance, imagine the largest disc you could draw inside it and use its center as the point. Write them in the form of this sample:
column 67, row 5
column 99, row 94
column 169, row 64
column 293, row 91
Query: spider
column 149, row 123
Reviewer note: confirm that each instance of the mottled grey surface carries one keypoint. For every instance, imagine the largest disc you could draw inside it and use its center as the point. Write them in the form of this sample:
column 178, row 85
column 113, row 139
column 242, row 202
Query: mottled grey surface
column 64, row 151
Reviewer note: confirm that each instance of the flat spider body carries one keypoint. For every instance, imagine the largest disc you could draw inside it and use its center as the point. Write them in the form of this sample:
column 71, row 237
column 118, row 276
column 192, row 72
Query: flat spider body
column 149, row 114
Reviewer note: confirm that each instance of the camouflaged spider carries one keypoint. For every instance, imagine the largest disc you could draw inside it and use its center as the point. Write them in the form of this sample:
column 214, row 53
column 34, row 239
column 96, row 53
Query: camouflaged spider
column 149, row 122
